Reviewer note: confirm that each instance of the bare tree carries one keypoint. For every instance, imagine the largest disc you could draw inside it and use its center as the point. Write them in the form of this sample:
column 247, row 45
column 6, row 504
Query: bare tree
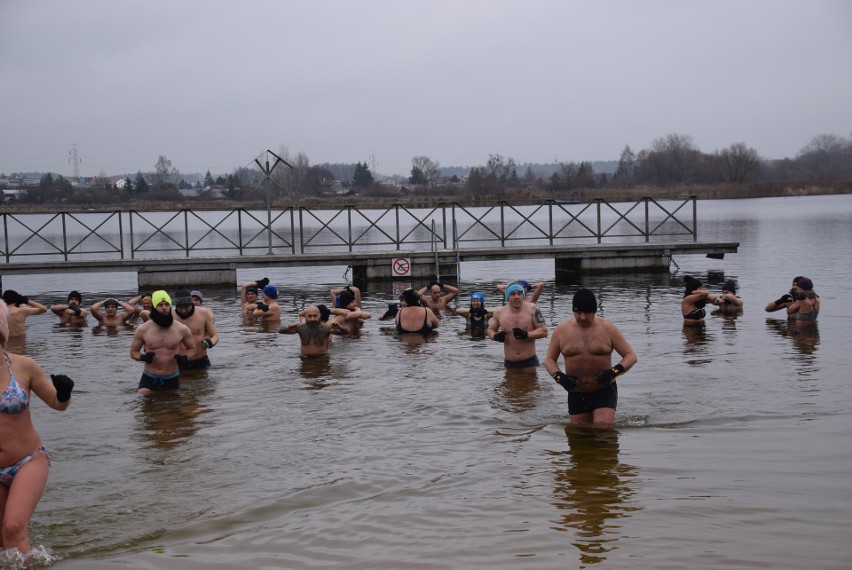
column 624, row 174
column 737, row 163
column 428, row 168
column 826, row 156
column 164, row 173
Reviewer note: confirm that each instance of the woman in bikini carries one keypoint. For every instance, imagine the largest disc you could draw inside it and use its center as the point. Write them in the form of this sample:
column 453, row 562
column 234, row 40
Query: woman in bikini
column 805, row 307
column 694, row 300
column 24, row 461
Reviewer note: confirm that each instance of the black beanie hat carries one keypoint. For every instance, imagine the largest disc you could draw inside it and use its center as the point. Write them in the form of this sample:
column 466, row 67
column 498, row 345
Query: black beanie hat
column 730, row 285
column 584, row 302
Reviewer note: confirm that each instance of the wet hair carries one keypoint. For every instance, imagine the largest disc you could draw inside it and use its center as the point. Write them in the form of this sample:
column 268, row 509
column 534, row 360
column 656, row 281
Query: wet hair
column 346, row 297
column 411, row 298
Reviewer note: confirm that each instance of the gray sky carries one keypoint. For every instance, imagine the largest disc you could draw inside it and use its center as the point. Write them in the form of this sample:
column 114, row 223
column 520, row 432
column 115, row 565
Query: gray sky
column 211, row 84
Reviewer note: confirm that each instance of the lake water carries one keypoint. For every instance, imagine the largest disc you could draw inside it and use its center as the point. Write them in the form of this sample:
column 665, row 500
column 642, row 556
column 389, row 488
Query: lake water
column 727, row 450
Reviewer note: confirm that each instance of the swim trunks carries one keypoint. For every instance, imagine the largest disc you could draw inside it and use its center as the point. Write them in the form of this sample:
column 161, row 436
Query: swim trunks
column 530, row 362
column 157, row 383
column 197, row 364
column 584, row 403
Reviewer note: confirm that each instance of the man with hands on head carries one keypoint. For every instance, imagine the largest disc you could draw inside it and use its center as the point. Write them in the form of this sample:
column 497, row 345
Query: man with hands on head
column 20, row 308
column 162, row 338
column 517, row 325
column 110, row 315
column 587, row 342
column 430, row 296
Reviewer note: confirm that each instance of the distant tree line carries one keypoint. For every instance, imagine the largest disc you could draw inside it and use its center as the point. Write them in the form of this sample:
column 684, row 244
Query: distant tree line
column 671, row 160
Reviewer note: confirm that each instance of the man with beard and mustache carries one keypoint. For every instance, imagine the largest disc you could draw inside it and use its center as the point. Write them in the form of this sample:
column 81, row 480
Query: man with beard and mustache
column 162, row 339
column 517, row 325
column 200, row 323
column 314, row 334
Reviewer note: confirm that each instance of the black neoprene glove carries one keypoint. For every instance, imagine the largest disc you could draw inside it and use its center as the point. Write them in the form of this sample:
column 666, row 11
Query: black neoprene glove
column 63, row 385
column 262, row 306
column 500, row 336
column 206, row 343
column 147, row 356
column 605, row 377
column 520, row 333
column 261, row 283
column 76, row 309
column 784, row 299
column 566, row 380
column 182, row 360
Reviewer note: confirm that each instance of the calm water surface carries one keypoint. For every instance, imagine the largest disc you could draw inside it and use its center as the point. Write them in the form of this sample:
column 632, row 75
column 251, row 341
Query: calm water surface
column 728, row 449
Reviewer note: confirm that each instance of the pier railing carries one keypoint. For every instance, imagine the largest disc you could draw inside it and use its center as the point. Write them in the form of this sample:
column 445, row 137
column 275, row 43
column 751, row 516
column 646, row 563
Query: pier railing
column 133, row 234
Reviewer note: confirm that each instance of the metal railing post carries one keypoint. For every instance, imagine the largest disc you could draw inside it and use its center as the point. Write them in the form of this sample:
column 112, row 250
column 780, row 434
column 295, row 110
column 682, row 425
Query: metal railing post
column 647, row 222
column 598, row 205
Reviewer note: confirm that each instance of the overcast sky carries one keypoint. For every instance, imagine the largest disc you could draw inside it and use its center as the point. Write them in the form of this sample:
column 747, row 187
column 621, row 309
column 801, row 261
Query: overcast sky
column 211, row 84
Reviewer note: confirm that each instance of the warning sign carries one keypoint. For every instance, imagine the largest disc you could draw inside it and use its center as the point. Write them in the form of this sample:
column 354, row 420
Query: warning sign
column 401, row 267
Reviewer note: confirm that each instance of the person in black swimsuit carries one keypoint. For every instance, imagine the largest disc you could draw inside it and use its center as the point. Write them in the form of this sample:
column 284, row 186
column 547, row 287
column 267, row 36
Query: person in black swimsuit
column 413, row 317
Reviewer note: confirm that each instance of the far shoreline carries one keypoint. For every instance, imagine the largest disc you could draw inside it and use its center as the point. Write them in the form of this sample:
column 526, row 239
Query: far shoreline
column 515, row 197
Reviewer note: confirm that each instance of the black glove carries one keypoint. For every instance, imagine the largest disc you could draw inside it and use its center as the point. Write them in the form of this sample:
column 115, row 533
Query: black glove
column 206, row 343
column 500, row 336
column 262, row 306
column 605, row 377
column 261, row 283
column 566, row 380
column 63, row 385
column 147, row 356
column 182, row 360
column 75, row 308
column 784, row 299
column 478, row 314
column 520, row 333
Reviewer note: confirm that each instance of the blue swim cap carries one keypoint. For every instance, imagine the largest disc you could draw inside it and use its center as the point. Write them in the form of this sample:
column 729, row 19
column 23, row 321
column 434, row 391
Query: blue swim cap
column 271, row 291
column 525, row 284
column 480, row 296
column 512, row 288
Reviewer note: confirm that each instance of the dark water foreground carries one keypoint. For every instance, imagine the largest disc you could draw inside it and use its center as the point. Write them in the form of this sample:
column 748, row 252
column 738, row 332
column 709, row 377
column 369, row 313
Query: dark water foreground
column 730, row 448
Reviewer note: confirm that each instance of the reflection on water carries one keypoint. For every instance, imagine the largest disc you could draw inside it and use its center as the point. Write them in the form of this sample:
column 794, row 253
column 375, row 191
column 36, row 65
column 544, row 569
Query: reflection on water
column 805, row 341
column 517, row 391
column 592, row 491
column 167, row 419
column 696, row 339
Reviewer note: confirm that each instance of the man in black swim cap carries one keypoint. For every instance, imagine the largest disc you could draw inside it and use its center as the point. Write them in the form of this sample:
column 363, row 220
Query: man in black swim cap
column 586, row 343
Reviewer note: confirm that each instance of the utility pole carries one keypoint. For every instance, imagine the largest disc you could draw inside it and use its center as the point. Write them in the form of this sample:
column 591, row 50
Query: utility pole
column 267, row 171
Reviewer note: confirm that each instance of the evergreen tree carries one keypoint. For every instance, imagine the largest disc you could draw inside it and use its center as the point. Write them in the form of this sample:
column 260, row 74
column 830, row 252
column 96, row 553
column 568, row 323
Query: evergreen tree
column 362, row 176
column 141, row 184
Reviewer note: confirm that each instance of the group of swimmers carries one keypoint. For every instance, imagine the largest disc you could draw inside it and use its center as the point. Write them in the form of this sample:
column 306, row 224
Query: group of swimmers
column 801, row 303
